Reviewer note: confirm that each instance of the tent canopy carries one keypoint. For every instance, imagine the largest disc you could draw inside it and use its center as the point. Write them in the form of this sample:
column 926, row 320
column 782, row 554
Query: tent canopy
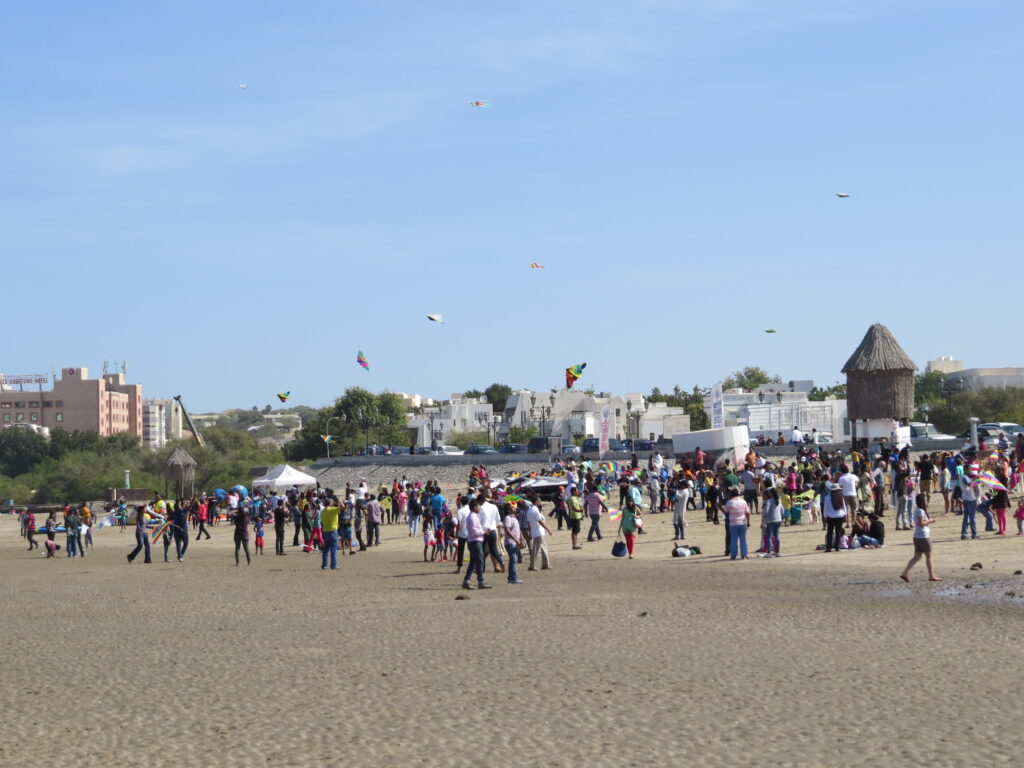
column 284, row 476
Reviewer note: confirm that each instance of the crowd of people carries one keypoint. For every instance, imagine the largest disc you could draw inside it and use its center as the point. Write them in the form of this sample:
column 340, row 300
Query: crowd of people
column 848, row 495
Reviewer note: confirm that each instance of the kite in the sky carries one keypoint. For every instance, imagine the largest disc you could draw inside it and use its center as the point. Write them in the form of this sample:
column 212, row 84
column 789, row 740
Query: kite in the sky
column 535, row 265
column 480, row 104
column 770, row 330
column 436, row 318
column 327, row 438
column 572, row 374
column 282, row 396
column 243, row 86
column 842, row 194
column 361, row 359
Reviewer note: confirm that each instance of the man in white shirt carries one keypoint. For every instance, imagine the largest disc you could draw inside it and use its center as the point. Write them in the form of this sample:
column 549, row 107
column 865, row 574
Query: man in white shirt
column 460, row 521
column 848, row 483
column 491, row 522
column 538, row 537
column 797, row 438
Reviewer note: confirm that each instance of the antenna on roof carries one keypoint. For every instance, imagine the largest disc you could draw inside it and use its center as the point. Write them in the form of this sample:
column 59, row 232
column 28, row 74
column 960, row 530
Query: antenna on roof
column 105, row 367
column 124, row 367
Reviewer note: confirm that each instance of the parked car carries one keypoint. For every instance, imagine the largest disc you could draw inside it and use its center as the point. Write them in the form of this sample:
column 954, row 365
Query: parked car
column 591, row 446
column 543, row 445
column 990, row 431
column 449, row 450
column 926, row 431
column 512, row 448
column 633, row 445
column 423, row 450
column 399, row 450
column 476, row 450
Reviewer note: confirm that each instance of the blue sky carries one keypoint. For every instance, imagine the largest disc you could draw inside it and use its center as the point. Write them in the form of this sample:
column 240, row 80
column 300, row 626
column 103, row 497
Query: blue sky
column 672, row 164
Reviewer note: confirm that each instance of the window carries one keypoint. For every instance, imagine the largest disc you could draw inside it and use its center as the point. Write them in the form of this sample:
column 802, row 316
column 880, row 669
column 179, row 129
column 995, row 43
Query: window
column 59, row 403
column 47, row 403
column 33, row 417
column 5, row 405
column 7, row 418
column 60, row 417
column 33, row 403
column 19, row 403
column 19, row 417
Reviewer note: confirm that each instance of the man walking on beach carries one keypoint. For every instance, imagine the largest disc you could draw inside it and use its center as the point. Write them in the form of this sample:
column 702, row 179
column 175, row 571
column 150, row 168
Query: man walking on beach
column 848, row 484
column 489, row 519
column 279, row 524
column 374, row 517
column 475, row 542
column 329, row 525
column 539, row 532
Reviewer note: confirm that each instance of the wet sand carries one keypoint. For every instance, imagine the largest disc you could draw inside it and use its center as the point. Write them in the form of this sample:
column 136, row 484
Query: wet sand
column 811, row 659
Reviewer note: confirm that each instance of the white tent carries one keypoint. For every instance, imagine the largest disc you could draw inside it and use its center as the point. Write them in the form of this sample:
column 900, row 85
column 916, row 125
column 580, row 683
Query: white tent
column 284, row 476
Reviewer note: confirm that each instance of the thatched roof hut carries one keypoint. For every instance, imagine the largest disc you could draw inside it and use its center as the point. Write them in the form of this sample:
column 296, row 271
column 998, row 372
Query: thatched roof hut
column 879, row 378
column 180, row 472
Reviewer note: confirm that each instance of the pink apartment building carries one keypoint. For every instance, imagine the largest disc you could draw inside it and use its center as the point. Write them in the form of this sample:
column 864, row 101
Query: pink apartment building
column 76, row 402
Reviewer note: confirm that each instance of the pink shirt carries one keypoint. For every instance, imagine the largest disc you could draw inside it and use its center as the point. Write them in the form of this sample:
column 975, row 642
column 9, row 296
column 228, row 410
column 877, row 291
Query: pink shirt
column 474, row 528
column 737, row 510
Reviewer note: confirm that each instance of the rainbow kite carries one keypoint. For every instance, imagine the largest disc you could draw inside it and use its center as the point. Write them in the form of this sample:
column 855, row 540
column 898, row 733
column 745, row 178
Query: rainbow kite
column 614, row 515
column 572, row 374
column 480, row 103
column 987, row 478
column 159, row 530
column 512, row 498
column 535, row 265
column 327, row 438
column 282, row 396
column 361, row 359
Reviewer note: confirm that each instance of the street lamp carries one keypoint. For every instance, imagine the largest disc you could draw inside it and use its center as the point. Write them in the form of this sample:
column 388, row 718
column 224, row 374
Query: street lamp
column 925, row 410
column 629, row 418
column 949, row 389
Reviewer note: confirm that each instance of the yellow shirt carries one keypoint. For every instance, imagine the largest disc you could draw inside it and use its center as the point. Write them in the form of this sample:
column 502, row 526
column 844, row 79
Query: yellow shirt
column 329, row 518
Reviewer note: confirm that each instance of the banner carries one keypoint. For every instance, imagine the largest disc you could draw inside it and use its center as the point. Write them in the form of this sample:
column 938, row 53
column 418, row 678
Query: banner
column 606, row 413
column 717, row 407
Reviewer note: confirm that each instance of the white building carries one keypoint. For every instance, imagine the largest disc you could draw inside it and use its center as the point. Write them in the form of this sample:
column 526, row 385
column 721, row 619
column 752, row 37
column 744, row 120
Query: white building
column 161, row 421
column 436, row 423
column 574, row 414
column 414, row 401
column 771, row 409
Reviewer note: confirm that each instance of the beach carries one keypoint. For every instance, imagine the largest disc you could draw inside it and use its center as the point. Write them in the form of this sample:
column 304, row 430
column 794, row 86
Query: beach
column 811, row 659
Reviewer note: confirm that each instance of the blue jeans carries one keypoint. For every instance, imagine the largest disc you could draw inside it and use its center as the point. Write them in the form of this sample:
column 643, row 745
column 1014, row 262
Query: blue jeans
column 970, row 510
column 414, row 524
column 373, row 534
column 180, row 540
column 513, row 561
column 771, row 537
column 141, row 541
column 737, row 540
column 72, row 544
column 476, row 561
column 989, row 522
column 330, row 547
column 595, row 528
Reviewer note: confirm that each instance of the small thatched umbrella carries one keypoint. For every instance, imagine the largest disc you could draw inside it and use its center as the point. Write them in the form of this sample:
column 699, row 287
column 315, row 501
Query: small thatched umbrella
column 879, row 378
column 180, row 470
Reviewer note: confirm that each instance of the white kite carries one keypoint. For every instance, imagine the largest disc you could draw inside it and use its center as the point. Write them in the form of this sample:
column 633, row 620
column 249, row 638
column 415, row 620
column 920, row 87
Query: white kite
column 243, row 86
column 436, row 318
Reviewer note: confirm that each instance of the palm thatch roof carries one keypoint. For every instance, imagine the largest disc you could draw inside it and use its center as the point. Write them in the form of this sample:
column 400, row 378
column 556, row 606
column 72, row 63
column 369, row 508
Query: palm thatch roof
column 180, row 458
column 879, row 351
column 879, row 378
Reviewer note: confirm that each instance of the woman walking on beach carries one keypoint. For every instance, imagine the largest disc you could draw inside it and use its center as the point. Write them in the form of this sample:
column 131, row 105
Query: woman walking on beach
column 771, row 522
column 141, row 535
column 627, row 525
column 922, row 541
column 30, row 530
column 594, row 504
column 1000, row 501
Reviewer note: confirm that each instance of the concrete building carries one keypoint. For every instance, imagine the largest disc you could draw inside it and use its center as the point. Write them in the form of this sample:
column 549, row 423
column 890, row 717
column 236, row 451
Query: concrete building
column 774, row 408
column 975, row 379
column 414, row 401
column 76, row 402
column 944, row 364
column 574, row 414
column 436, row 423
column 161, row 421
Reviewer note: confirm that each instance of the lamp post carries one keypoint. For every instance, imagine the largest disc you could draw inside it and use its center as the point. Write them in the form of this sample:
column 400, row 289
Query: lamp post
column 925, row 410
column 629, row 418
column 949, row 389
column 328, row 428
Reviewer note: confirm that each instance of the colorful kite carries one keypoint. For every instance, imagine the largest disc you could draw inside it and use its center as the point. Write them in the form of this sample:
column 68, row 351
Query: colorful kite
column 327, row 438
column 572, row 374
column 159, row 530
column 987, row 478
column 361, row 359
column 436, row 318
column 480, row 103
column 282, row 396
column 614, row 514
column 535, row 265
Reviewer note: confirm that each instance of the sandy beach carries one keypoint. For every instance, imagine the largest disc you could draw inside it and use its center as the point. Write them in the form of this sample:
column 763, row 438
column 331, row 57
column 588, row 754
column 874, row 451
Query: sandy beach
column 811, row 659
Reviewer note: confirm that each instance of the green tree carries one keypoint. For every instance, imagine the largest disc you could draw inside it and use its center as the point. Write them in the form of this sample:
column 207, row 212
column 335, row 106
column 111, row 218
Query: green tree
column 837, row 390
column 928, row 387
column 21, row 450
column 750, row 377
column 498, row 395
column 519, row 434
column 472, row 393
column 464, row 440
column 357, row 417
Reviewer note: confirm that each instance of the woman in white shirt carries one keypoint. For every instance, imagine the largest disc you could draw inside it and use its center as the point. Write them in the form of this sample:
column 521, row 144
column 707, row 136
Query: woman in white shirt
column 922, row 540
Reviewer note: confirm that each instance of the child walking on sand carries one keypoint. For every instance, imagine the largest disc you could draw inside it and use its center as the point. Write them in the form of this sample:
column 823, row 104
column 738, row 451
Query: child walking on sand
column 428, row 535
column 1019, row 517
column 257, row 525
column 922, row 540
